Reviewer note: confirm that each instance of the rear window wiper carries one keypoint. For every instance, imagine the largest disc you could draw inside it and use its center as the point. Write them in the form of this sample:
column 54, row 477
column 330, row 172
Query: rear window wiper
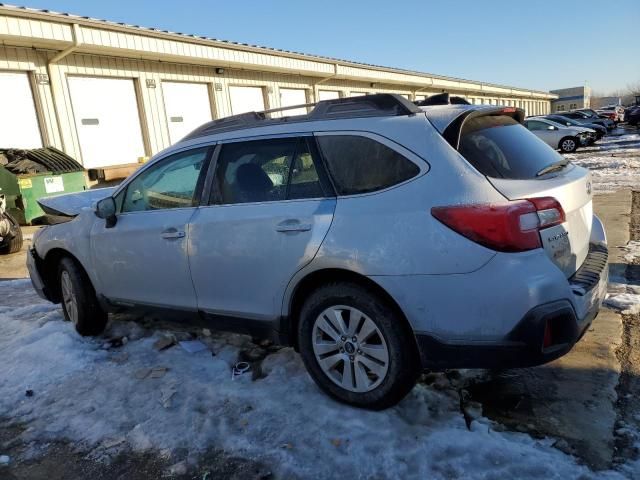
column 559, row 165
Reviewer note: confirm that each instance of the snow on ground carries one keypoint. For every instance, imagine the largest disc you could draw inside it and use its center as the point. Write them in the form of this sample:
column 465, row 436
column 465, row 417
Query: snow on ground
column 614, row 161
column 623, row 296
column 93, row 397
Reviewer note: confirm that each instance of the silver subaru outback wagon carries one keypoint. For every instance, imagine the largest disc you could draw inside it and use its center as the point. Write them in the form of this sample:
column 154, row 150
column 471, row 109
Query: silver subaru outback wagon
column 376, row 237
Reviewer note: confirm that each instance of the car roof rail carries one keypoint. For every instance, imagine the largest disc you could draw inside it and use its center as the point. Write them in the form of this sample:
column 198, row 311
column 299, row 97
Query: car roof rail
column 441, row 99
column 376, row 105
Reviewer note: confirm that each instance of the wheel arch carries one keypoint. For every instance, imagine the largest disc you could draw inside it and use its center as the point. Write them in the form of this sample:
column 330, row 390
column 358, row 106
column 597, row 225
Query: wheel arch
column 49, row 272
column 568, row 137
column 318, row 278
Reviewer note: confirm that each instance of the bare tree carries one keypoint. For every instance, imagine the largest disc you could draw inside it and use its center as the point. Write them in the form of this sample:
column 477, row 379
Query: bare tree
column 627, row 95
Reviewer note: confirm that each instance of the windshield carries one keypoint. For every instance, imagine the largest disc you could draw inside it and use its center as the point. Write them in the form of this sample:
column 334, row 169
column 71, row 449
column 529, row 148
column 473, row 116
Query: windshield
column 499, row 147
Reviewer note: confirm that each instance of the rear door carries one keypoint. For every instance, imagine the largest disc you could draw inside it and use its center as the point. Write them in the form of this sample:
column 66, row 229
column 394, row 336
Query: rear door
column 271, row 208
column 520, row 166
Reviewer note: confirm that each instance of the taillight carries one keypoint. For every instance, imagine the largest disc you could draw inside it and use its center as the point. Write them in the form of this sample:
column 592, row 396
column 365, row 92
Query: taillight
column 505, row 227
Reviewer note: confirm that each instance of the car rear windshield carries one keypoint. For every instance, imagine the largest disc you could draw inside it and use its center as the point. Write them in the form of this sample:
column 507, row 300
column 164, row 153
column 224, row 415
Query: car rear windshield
column 499, row 147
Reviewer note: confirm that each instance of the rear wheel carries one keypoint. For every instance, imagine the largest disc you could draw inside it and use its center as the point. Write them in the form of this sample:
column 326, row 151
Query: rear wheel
column 79, row 302
column 356, row 347
column 568, row 144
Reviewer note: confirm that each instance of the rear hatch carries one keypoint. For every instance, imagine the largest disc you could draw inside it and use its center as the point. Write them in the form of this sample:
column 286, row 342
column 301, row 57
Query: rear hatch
column 521, row 166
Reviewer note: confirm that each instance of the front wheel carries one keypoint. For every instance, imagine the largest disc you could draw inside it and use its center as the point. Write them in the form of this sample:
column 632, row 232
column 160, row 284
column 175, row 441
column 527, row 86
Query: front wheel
column 568, row 144
column 79, row 303
column 356, row 347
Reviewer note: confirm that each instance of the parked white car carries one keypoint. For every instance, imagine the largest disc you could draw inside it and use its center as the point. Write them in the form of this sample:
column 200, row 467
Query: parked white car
column 567, row 139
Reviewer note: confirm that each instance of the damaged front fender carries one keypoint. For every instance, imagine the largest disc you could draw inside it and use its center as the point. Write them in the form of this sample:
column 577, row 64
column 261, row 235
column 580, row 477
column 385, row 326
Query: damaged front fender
column 71, row 204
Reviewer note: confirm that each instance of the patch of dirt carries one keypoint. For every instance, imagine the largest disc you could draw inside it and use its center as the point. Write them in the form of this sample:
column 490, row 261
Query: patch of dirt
column 628, row 389
column 62, row 461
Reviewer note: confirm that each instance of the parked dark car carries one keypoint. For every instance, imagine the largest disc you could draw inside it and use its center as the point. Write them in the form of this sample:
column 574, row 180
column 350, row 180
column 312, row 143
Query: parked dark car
column 584, row 118
column 600, row 130
column 632, row 115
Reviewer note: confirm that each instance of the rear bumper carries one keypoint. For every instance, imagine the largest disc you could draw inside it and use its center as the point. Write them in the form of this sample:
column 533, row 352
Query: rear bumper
column 563, row 322
column 523, row 348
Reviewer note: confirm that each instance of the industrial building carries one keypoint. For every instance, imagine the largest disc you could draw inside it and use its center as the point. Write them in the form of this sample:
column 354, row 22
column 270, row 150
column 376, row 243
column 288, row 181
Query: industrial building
column 110, row 94
column 571, row 99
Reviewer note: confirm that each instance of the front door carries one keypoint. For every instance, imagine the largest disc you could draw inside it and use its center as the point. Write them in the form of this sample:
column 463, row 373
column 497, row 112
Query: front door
column 272, row 208
column 142, row 260
column 542, row 131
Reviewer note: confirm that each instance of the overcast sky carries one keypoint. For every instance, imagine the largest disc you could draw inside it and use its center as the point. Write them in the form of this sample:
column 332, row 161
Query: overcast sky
column 543, row 44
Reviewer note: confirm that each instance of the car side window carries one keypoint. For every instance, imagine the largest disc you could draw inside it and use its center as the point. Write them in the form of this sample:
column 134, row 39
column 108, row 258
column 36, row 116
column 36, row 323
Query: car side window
column 172, row 183
column 267, row 170
column 533, row 125
column 360, row 164
column 304, row 181
column 254, row 171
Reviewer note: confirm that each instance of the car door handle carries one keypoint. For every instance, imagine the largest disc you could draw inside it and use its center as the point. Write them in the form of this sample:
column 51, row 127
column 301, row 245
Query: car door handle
column 170, row 233
column 293, row 226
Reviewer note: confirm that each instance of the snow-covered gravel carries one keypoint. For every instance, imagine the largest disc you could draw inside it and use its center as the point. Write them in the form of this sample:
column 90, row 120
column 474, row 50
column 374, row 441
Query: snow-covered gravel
column 614, row 161
column 94, row 398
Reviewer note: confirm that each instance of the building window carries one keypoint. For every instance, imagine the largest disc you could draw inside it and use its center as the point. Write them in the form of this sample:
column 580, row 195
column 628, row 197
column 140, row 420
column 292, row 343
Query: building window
column 573, row 106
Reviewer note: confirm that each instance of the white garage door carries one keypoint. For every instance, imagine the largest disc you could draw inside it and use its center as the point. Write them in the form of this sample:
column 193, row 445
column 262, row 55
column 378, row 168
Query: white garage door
column 357, row 94
column 246, row 99
column 328, row 95
column 187, row 106
column 293, row 96
column 18, row 121
column 107, row 121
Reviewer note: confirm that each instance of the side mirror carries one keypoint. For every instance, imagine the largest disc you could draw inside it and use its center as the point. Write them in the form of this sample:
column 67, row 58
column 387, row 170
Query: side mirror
column 106, row 208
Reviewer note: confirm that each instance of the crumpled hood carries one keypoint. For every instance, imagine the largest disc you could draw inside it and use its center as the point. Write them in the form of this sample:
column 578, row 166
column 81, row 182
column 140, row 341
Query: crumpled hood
column 71, row 204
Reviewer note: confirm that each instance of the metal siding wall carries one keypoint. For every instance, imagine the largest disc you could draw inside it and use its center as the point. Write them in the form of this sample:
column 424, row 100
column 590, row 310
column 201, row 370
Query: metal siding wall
column 61, row 131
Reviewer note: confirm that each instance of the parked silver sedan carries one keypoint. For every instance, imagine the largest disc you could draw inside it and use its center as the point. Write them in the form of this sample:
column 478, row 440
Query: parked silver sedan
column 375, row 237
column 566, row 138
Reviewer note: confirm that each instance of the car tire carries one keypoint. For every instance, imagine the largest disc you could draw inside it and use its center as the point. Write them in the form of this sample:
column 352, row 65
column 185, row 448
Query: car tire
column 14, row 244
column 372, row 352
column 568, row 144
column 79, row 303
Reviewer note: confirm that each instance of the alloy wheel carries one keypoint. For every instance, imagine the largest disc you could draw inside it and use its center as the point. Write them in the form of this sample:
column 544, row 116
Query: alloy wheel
column 568, row 145
column 350, row 348
column 69, row 297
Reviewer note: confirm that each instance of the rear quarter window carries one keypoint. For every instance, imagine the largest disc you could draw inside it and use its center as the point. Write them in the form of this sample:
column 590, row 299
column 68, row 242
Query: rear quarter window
column 499, row 147
column 361, row 165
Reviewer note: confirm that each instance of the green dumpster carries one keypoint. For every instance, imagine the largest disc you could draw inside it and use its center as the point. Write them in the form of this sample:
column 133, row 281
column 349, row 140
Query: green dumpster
column 28, row 175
